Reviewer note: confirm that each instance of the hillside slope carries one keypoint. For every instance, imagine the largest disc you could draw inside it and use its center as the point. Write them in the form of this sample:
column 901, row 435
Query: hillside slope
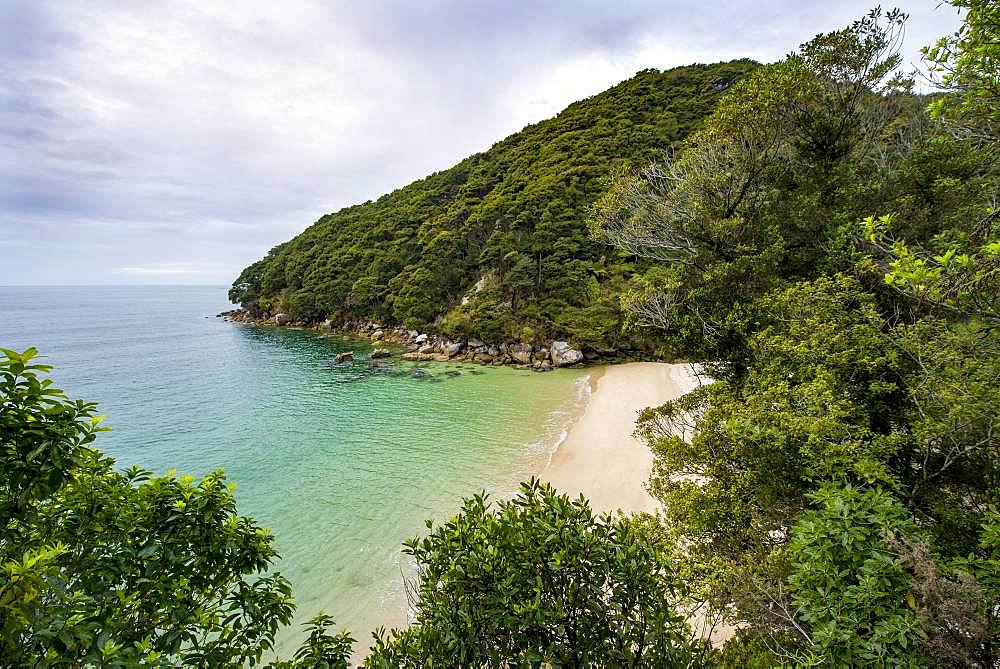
column 497, row 246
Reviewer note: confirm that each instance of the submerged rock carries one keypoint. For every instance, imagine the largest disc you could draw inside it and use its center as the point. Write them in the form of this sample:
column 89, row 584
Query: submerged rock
column 341, row 358
column 414, row 356
column 381, row 353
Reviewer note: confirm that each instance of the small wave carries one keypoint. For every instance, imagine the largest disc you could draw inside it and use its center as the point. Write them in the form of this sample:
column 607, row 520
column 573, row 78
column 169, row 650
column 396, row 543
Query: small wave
column 557, row 425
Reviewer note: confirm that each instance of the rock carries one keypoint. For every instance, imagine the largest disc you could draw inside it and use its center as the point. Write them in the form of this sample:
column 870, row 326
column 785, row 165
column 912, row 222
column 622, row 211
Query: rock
column 413, row 334
column 520, row 352
column 453, row 373
column 341, row 358
column 563, row 355
column 541, row 354
column 414, row 356
column 328, row 324
column 427, row 348
column 419, row 374
column 420, row 339
column 282, row 319
column 378, row 334
column 381, row 353
column 475, row 343
column 591, row 355
column 484, row 358
column 451, row 350
column 544, row 366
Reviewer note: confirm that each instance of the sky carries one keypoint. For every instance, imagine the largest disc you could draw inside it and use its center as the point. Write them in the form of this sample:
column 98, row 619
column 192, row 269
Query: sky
column 176, row 142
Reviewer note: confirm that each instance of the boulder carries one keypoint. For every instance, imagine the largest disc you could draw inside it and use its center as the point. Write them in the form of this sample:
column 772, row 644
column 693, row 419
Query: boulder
column 414, row 356
column 413, row 334
column 282, row 319
column 521, row 353
column 475, row 343
column 378, row 334
column 563, row 355
column 453, row 349
column 341, row 358
column 484, row 358
column 420, row 338
column 427, row 348
column 381, row 353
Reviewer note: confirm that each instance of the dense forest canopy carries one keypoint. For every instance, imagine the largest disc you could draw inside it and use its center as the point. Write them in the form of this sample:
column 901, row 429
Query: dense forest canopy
column 829, row 245
column 514, row 216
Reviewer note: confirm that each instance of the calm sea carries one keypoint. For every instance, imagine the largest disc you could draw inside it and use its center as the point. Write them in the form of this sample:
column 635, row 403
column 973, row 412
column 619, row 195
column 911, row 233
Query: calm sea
column 341, row 464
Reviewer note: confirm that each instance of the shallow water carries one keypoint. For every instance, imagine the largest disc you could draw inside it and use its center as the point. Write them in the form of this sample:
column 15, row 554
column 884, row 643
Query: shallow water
column 342, row 464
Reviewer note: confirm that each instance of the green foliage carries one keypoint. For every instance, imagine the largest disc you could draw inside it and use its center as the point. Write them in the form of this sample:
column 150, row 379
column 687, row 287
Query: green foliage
column 968, row 64
column 846, row 582
column 540, row 581
column 109, row 568
column 856, row 364
column 755, row 196
column 516, row 213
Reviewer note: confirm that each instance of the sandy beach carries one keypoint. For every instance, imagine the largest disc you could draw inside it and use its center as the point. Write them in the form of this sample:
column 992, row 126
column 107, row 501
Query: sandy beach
column 599, row 457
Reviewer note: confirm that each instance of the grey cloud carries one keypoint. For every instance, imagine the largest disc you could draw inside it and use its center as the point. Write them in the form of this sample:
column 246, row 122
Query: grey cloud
column 194, row 136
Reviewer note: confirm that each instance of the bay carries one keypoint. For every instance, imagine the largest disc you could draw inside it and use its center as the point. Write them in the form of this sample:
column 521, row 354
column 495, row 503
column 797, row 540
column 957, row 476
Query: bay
column 341, row 464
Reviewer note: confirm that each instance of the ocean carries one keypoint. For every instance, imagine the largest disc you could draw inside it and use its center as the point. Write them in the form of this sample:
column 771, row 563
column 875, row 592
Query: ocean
column 341, row 464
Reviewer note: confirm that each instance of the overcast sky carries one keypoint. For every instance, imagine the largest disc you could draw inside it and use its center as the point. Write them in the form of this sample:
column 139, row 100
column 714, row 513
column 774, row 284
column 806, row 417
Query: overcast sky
column 149, row 142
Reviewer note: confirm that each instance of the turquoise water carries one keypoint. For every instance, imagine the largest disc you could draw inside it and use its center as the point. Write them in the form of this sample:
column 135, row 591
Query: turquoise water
column 341, row 464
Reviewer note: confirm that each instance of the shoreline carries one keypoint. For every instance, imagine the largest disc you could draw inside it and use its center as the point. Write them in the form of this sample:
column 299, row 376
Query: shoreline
column 431, row 346
column 600, row 458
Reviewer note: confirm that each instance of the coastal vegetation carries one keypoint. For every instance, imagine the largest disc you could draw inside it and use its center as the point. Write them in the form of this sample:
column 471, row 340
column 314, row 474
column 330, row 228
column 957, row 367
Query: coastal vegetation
column 496, row 247
column 828, row 244
column 825, row 241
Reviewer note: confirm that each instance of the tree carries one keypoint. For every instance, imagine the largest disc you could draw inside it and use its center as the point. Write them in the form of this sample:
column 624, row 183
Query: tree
column 967, row 64
column 746, row 202
column 109, row 568
column 540, row 581
column 833, row 487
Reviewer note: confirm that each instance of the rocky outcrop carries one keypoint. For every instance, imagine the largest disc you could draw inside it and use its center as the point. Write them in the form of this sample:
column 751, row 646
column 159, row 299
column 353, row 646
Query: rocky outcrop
column 563, row 355
column 428, row 346
column 520, row 352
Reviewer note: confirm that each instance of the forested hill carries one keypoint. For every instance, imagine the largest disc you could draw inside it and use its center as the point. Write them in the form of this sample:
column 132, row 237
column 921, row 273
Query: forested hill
column 496, row 247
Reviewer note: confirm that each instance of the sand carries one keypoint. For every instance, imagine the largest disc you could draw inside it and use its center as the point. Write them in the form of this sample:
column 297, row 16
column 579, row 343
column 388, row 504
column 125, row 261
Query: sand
column 600, row 457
